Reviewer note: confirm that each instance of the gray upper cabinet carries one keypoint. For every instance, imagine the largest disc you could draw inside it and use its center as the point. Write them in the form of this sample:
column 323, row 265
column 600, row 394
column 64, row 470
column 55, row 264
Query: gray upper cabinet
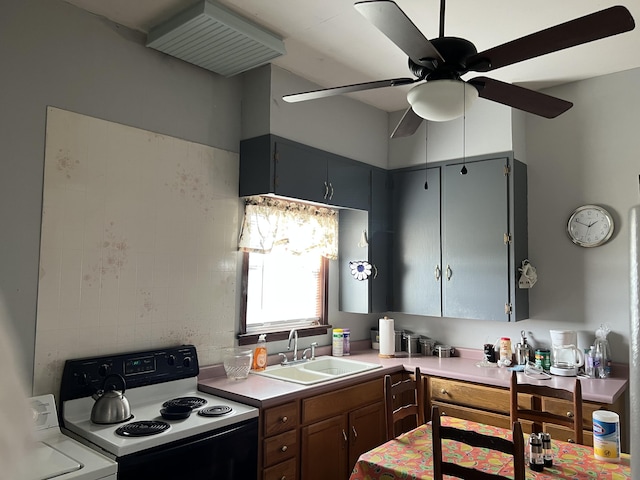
column 271, row 164
column 416, row 286
column 458, row 245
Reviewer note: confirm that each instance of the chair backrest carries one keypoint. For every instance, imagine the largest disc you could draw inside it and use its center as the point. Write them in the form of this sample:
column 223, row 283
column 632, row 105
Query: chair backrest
column 514, row 447
column 539, row 416
column 409, row 401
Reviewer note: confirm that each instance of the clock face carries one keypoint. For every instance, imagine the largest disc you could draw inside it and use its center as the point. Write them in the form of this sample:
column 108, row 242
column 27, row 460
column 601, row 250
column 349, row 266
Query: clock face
column 590, row 226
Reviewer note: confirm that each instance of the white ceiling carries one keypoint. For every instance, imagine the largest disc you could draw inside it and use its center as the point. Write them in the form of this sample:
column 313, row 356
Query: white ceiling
column 329, row 43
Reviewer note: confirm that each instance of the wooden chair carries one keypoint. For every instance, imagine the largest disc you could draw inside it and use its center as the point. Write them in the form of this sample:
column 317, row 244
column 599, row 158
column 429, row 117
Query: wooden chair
column 413, row 391
column 538, row 416
column 513, row 447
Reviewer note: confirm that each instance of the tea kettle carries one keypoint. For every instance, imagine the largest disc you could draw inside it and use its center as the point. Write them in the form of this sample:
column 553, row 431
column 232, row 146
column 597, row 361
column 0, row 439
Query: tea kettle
column 111, row 406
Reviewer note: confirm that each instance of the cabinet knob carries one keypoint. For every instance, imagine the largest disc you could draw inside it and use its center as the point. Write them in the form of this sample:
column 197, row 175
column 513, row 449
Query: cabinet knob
column 284, row 419
column 570, row 414
column 571, row 440
column 443, row 392
column 284, row 448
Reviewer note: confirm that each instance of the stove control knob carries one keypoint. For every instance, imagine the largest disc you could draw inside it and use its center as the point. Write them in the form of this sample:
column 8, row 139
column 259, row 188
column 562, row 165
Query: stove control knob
column 186, row 361
column 104, row 369
column 171, row 360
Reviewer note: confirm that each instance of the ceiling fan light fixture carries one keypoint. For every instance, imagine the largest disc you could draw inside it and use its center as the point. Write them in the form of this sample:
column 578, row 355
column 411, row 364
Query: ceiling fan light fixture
column 442, row 100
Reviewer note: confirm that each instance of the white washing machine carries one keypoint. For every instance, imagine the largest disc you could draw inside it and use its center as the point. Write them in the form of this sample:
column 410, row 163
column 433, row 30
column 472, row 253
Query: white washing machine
column 55, row 455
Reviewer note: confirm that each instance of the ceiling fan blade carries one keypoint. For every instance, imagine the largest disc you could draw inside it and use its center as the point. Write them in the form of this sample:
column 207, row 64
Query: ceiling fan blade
column 329, row 92
column 520, row 98
column 595, row 26
column 408, row 124
column 387, row 17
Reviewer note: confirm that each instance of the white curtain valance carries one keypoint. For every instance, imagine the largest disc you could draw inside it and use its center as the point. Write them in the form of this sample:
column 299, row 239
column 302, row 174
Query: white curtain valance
column 300, row 228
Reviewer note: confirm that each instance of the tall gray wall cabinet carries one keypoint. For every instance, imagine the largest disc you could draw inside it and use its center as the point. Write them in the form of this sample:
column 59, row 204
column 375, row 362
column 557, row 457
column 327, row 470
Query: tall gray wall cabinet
column 457, row 245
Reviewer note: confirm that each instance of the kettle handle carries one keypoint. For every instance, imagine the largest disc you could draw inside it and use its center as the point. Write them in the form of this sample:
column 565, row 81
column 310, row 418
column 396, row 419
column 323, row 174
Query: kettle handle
column 116, row 375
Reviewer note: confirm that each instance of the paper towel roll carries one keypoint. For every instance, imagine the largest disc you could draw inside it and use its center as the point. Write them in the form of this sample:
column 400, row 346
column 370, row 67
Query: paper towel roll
column 387, row 338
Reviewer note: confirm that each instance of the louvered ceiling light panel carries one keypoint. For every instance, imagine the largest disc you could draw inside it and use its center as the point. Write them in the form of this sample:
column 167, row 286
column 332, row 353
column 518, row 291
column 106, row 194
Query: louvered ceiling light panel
column 213, row 37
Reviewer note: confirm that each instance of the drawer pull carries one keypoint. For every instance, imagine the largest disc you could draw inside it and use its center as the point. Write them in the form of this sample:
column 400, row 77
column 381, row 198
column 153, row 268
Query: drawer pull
column 284, row 448
column 444, row 392
column 571, row 440
column 570, row 414
column 284, row 419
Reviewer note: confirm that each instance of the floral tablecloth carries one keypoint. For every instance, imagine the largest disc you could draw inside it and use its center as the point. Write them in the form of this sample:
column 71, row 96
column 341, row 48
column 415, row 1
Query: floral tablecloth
column 410, row 457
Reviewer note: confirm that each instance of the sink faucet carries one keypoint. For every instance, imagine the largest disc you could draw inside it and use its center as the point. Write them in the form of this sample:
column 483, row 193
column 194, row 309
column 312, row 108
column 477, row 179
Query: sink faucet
column 293, row 334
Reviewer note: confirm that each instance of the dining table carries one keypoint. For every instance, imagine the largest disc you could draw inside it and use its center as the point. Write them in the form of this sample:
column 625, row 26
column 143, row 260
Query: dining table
column 410, row 456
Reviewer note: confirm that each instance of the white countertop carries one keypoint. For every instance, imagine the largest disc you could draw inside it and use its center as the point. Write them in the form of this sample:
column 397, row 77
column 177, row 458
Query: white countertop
column 262, row 391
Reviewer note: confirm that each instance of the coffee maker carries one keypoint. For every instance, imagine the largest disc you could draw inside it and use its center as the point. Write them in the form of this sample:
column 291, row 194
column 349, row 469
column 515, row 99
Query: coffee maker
column 566, row 357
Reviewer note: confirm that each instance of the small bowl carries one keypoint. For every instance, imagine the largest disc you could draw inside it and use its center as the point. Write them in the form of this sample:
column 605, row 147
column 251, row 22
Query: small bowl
column 237, row 363
column 175, row 412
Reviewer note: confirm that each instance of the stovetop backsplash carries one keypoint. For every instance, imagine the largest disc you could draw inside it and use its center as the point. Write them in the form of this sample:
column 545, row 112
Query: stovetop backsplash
column 138, row 246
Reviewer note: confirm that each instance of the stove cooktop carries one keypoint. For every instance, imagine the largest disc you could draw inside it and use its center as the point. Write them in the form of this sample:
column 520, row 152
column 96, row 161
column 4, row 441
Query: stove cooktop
column 154, row 379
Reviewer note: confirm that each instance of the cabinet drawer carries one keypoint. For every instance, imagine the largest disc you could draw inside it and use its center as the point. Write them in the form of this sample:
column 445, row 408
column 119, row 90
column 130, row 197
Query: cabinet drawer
column 280, row 419
column 488, row 418
column 472, row 395
column 335, row 403
column 559, row 432
column 283, row 471
column 565, row 408
column 280, row 447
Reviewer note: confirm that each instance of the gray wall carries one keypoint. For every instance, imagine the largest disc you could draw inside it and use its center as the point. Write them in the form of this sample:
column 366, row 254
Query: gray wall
column 55, row 54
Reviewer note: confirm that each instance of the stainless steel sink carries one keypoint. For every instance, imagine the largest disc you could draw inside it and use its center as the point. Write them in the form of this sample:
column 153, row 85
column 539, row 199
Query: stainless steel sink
column 322, row 369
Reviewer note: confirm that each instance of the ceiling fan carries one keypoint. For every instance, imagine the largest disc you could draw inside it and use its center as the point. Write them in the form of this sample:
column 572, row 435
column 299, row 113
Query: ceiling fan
column 439, row 63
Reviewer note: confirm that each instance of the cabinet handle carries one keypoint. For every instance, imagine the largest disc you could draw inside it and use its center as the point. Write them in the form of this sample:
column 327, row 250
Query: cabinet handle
column 571, row 440
column 331, row 196
column 355, row 434
column 283, row 477
column 570, row 414
column 437, row 272
column 375, row 272
column 284, row 448
column 284, row 419
column 443, row 392
column 344, row 434
column 326, row 190
column 448, row 272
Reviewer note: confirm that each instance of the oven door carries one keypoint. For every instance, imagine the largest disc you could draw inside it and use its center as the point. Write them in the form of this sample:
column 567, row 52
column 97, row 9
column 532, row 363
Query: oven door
column 226, row 454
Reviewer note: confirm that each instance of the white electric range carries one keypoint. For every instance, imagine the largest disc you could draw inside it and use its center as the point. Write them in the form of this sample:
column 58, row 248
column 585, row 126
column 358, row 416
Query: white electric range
column 217, row 440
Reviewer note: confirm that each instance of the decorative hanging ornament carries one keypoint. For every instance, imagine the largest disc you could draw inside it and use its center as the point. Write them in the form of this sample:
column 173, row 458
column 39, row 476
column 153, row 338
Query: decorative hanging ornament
column 360, row 270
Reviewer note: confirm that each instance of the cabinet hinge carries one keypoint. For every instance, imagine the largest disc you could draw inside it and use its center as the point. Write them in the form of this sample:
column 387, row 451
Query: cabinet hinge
column 508, row 309
column 507, row 239
column 507, row 170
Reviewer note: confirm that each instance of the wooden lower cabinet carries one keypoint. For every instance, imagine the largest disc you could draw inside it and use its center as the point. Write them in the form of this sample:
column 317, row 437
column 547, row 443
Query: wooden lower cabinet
column 490, row 405
column 321, row 437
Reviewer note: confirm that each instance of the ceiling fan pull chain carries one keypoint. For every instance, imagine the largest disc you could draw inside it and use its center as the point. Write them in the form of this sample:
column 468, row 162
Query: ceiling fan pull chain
column 426, row 156
column 463, row 170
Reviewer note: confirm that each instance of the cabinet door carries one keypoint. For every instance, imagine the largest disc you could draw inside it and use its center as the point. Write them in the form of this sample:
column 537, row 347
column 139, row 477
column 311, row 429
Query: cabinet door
column 349, row 183
column 475, row 259
column 367, row 430
column 300, row 172
column 380, row 242
column 324, row 450
column 353, row 294
column 416, row 242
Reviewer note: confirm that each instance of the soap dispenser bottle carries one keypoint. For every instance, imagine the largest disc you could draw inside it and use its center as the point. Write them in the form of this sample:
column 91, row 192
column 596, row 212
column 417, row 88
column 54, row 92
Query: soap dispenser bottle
column 260, row 354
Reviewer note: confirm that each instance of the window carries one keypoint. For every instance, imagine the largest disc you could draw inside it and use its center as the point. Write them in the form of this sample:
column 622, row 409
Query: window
column 286, row 249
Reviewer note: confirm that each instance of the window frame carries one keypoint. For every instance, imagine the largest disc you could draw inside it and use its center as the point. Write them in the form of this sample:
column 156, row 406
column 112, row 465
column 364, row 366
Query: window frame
column 245, row 338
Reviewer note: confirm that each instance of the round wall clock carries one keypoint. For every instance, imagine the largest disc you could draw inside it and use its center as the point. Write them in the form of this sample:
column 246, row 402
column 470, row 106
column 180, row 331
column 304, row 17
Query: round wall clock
column 590, row 226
